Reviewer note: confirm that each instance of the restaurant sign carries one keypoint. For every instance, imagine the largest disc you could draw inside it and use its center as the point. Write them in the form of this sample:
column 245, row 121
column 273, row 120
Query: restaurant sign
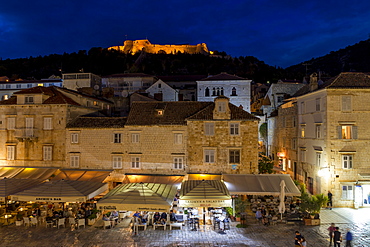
column 205, row 203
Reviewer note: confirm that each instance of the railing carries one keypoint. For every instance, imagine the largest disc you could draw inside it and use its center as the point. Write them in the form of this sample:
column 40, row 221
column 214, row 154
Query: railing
column 26, row 133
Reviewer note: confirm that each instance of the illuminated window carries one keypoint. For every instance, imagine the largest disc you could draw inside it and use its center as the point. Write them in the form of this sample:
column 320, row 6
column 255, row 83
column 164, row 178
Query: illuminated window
column 48, row 123
column 75, row 161
column 117, row 162
column 209, row 129
column 117, row 137
column 347, row 161
column 6, row 97
column 234, row 156
column 347, row 132
column 47, row 152
column 347, row 192
column 303, row 129
column 10, row 152
column 209, row 156
column 95, row 103
column 135, row 162
column 177, row 138
column 178, row 163
column 234, row 129
column 135, row 138
column 74, row 138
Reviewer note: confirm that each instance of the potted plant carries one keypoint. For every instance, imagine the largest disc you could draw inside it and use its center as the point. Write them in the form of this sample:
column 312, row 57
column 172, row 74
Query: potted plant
column 311, row 205
column 19, row 219
column 91, row 219
column 240, row 207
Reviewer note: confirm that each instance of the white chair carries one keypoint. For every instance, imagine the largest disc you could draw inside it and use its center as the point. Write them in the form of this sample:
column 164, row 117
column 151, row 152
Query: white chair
column 71, row 221
column 137, row 225
column 122, row 216
column 159, row 225
column 26, row 221
column 107, row 224
column 62, row 222
column 176, row 225
column 33, row 222
column 81, row 222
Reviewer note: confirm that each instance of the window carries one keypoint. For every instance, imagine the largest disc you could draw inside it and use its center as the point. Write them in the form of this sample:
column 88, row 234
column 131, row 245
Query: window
column 29, row 127
column 28, row 100
column 19, row 86
column 159, row 85
column 177, row 138
column 47, row 152
column 29, row 85
column 233, row 92
column 206, row 94
column 75, row 161
column 234, row 129
column 280, row 99
column 209, row 156
column 347, row 132
column 303, row 108
column 294, row 143
column 317, row 101
column 178, row 163
column 303, row 129
column 117, row 137
column 318, row 159
column 117, row 162
column 209, row 129
column 318, row 131
column 302, row 153
column 10, row 152
column 135, row 138
column 346, row 103
column 234, row 156
column 74, row 138
column 135, row 162
column 347, row 192
column 11, row 123
column 294, row 121
column 347, row 161
column 48, row 123
column 222, row 106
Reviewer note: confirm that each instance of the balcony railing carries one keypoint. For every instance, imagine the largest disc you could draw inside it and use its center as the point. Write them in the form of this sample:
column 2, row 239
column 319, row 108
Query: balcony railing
column 26, row 133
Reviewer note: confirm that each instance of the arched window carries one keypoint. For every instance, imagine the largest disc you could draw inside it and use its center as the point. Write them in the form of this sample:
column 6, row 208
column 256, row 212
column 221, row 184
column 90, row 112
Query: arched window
column 214, row 92
column 206, row 94
column 233, row 92
column 218, row 91
column 222, row 91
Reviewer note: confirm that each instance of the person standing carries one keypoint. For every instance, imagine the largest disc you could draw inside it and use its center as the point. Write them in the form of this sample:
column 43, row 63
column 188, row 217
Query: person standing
column 331, row 230
column 337, row 237
column 349, row 239
column 303, row 242
column 297, row 239
column 330, row 200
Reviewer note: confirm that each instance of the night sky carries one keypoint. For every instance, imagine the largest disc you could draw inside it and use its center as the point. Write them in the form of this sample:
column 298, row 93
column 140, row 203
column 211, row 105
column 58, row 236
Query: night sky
column 278, row 32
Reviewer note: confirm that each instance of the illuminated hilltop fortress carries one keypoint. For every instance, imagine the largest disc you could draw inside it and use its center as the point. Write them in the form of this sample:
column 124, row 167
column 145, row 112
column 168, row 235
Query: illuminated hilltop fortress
column 134, row 46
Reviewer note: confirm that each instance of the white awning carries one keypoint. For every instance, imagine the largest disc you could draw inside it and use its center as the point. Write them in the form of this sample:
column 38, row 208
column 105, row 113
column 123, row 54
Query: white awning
column 204, row 193
column 10, row 186
column 61, row 191
column 260, row 184
column 139, row 197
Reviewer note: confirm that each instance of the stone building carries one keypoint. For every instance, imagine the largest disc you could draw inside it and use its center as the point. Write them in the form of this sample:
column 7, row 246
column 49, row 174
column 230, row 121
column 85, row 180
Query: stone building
column 163, row 92
column 333, row 138
column 33, row 121
column 236, row 88
column 171, row 138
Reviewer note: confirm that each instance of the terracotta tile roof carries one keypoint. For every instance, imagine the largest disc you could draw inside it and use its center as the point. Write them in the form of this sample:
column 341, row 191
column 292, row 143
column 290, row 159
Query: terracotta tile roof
column 83, row 94
column 56, row 97
column 98, row 122
column 175, row 113
column 236, row 113
column 223, row 77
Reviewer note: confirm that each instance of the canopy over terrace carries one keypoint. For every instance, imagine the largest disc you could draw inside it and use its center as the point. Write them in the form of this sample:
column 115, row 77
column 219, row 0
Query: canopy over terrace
column 139, row 197
column 204, row 193
column 10, row 186
column 61, row 191
column 82, row 175
column 157, row 179
column 260, row 184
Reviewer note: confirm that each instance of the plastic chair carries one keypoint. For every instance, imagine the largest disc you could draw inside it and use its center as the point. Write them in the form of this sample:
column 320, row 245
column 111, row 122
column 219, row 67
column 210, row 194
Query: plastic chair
column 62, row 222
column 33, row 222
column 81, row 222
column 122, row 216
column 26, row 221
column 107, row 224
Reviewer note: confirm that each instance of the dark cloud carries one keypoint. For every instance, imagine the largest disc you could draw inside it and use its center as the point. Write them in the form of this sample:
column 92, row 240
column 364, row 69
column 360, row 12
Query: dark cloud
column 279, row 32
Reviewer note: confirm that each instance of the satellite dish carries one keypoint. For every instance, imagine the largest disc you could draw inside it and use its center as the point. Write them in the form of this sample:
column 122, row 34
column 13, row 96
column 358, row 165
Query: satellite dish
column 124, row 93
column 96, row 87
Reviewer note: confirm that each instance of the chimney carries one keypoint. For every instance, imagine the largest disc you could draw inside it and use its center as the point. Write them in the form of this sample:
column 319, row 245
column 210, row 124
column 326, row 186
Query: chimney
column 313, row 82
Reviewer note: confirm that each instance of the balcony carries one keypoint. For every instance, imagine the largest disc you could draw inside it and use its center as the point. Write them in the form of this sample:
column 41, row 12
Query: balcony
column 30, row 134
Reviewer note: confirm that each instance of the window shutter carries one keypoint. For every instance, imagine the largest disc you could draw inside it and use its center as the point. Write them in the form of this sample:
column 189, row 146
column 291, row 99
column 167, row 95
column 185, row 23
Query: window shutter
column 339, row 132
column 354, row 132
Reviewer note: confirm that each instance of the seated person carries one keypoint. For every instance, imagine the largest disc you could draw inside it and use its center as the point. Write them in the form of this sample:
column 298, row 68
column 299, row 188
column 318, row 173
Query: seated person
column 136, row 214
column 115, row 216
column 163, row 218
column 106, row 218
column 144, row 217
column 259, row 215
column 172, row 216
column 156, row 218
